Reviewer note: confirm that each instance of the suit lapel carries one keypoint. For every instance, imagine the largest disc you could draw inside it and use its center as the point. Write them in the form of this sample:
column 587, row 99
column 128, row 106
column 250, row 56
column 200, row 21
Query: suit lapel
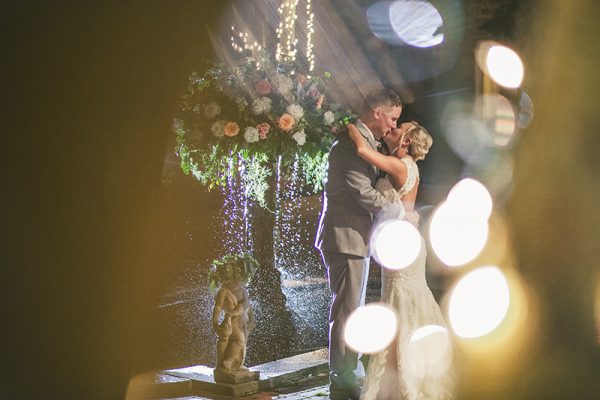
column 370, row 139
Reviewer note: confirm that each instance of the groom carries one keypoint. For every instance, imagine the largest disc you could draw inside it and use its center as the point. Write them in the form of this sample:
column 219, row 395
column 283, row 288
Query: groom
column 350, row 202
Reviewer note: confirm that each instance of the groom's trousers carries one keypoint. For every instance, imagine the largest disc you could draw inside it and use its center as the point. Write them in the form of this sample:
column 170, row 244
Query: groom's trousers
column 347, row 276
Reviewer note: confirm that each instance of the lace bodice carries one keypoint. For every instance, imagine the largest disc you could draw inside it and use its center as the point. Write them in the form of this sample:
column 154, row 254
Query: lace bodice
column 413, row 175
column 387, row 189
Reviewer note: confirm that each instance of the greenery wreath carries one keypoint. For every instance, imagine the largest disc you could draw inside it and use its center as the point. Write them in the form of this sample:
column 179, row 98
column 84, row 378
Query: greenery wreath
column 231, row 267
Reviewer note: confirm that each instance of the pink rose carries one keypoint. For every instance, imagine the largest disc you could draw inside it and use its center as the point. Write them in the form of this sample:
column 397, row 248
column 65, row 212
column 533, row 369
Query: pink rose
column 286, row 122
column 263, row 87
column 263, row 129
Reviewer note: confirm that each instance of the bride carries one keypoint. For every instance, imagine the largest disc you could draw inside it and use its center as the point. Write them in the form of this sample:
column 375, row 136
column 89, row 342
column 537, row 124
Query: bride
column 402, row 370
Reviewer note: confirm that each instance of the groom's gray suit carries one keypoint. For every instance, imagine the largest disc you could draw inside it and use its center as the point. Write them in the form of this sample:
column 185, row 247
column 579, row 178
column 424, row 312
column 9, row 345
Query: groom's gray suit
column 349, row 205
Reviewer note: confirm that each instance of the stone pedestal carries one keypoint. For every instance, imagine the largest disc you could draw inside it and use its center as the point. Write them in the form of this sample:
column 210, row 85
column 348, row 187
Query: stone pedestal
column 235, row 383
column 235, row 377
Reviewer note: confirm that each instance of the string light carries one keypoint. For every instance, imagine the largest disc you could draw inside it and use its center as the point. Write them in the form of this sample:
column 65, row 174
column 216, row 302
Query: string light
column 286, row 38
column 310, row 17
column 241, row 43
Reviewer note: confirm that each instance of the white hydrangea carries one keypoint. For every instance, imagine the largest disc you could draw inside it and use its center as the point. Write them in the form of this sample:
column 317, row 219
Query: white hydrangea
column 299, row 137
column 261, row 105
column 328, row 117
column 283, row 83
column 218, row 128
column 212, row 109
column 296, row 111
column 251, row 134
column 241, row 102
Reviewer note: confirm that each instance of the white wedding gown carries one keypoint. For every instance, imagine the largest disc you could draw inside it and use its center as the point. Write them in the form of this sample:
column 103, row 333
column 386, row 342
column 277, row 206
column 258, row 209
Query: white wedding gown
column 418, row 364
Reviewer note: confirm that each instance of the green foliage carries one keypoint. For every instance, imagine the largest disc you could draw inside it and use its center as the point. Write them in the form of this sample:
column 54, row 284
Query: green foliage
column 231, row 267
column 238, row 122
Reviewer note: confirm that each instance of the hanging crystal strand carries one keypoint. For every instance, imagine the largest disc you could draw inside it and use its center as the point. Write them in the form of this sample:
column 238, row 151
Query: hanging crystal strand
column 231, row 217
column 277, row 242
column 247, row 218
column 292, row 236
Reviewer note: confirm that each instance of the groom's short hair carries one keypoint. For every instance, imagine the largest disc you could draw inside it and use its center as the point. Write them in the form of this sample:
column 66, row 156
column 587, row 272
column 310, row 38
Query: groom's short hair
column 385, row 98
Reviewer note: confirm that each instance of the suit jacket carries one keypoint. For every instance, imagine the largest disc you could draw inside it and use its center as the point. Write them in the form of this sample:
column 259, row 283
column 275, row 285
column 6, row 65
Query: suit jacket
column 349, row 201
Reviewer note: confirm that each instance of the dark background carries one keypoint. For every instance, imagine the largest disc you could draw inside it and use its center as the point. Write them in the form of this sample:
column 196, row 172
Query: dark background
column 88, row 92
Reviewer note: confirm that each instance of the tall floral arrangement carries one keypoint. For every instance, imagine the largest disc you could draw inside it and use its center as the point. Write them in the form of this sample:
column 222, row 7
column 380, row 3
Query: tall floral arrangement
column 253, row 120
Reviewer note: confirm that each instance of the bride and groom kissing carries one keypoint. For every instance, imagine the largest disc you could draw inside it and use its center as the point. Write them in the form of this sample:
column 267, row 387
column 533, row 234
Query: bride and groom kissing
column 353, row 197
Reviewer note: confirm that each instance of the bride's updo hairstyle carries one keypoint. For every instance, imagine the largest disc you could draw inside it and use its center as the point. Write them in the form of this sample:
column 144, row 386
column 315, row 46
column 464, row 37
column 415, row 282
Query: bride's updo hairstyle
column 420, row 141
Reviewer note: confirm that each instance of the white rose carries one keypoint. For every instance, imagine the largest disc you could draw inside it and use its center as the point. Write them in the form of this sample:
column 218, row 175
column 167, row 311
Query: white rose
column 261, row 105
column 251, row 134
column 212, row 109
column 328, row 117
column 218, row 128
column 299, row 137
column 296, row 111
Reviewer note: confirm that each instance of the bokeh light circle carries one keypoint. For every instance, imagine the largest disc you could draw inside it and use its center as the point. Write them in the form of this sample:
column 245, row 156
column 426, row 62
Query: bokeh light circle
column 504, row 66
column 479, row 302
column 370, row 328
column 457, row 236
column 473, row 196
column 416, row 23
column 396, row 244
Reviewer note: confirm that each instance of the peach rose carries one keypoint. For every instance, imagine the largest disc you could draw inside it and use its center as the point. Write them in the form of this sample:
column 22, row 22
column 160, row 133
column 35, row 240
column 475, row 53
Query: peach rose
column 320, row 101
column 231, row 129
column 263, row 87
column 286, row 122
column 263, row 129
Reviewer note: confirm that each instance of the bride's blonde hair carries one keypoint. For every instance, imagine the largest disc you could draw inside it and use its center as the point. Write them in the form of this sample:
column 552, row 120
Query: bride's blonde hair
column 420, row 141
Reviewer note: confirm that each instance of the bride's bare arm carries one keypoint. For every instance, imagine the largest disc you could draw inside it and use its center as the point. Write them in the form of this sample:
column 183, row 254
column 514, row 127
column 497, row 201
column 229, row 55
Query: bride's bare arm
column 389, row 164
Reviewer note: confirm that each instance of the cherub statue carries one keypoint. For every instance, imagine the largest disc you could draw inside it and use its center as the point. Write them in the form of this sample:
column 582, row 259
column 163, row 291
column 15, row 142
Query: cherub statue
column 232, row 317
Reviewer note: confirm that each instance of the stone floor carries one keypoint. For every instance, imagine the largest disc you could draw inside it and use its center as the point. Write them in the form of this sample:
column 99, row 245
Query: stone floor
column 304, row 376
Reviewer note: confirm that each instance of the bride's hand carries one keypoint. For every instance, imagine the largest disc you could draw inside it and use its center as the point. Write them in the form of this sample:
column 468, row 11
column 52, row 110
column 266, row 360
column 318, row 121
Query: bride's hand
column 356, row 136
column 413, row 217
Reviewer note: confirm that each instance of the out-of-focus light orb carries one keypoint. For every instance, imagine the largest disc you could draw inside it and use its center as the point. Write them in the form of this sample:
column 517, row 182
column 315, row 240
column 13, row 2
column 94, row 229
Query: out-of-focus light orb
column 396, row 244
column 525, row 115
column 499, row 115
column 416, row 23
column 429, row 352
column 504, row 66
column 495, row 170
column 456, row 235
column 432, row 341
column 370, row 328
column 466, row 135
column 473, row 196
column 479, row 302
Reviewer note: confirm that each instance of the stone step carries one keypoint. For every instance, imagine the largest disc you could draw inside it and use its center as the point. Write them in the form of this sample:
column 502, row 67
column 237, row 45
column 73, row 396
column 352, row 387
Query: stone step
column 198, row 381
